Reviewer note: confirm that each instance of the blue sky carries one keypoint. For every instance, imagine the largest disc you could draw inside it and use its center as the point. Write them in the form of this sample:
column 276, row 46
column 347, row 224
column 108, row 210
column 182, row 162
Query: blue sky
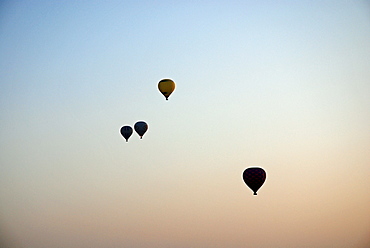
column 279, row 85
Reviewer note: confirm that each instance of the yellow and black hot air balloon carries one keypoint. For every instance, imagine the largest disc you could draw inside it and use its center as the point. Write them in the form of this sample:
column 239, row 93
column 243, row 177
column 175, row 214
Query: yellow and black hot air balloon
column 166, row 87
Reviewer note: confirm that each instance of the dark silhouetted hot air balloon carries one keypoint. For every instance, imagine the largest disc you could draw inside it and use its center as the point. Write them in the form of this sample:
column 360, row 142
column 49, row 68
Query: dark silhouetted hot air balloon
column 254, row 178
column 166, row 87
column 141, row 127
column 126, row 132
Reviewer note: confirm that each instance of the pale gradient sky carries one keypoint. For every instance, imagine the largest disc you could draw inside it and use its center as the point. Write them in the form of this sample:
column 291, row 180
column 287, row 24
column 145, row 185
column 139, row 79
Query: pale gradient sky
column 282, row 85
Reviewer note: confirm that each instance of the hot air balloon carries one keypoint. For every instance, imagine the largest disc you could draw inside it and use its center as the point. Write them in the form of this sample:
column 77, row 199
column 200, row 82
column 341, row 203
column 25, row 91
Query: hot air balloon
column 141, row 127
column 126, row 132
column 166, row 87
column 254, row 178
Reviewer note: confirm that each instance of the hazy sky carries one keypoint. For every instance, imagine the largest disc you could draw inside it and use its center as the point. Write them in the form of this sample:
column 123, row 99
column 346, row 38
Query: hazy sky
column 282, row 85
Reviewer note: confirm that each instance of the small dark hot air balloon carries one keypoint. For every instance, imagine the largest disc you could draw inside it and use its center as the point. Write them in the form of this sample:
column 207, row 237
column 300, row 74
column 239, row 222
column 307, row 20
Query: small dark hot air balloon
column 126, row 132
column 141, row 127
column 254, row 178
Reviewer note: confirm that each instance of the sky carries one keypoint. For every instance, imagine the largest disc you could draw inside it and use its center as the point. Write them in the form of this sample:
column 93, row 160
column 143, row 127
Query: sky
column 281, row 85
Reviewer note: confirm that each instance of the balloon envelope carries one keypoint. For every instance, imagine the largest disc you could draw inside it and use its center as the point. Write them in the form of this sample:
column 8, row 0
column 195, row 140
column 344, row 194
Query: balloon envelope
column 126, row 132
column 166, row 87
column 141, row 127
column 254, row 178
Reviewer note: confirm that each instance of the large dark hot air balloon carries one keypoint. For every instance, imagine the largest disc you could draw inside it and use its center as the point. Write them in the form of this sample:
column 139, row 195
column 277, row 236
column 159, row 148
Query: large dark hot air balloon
column 141, row 127
column 126, row 132
column 254, row 178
